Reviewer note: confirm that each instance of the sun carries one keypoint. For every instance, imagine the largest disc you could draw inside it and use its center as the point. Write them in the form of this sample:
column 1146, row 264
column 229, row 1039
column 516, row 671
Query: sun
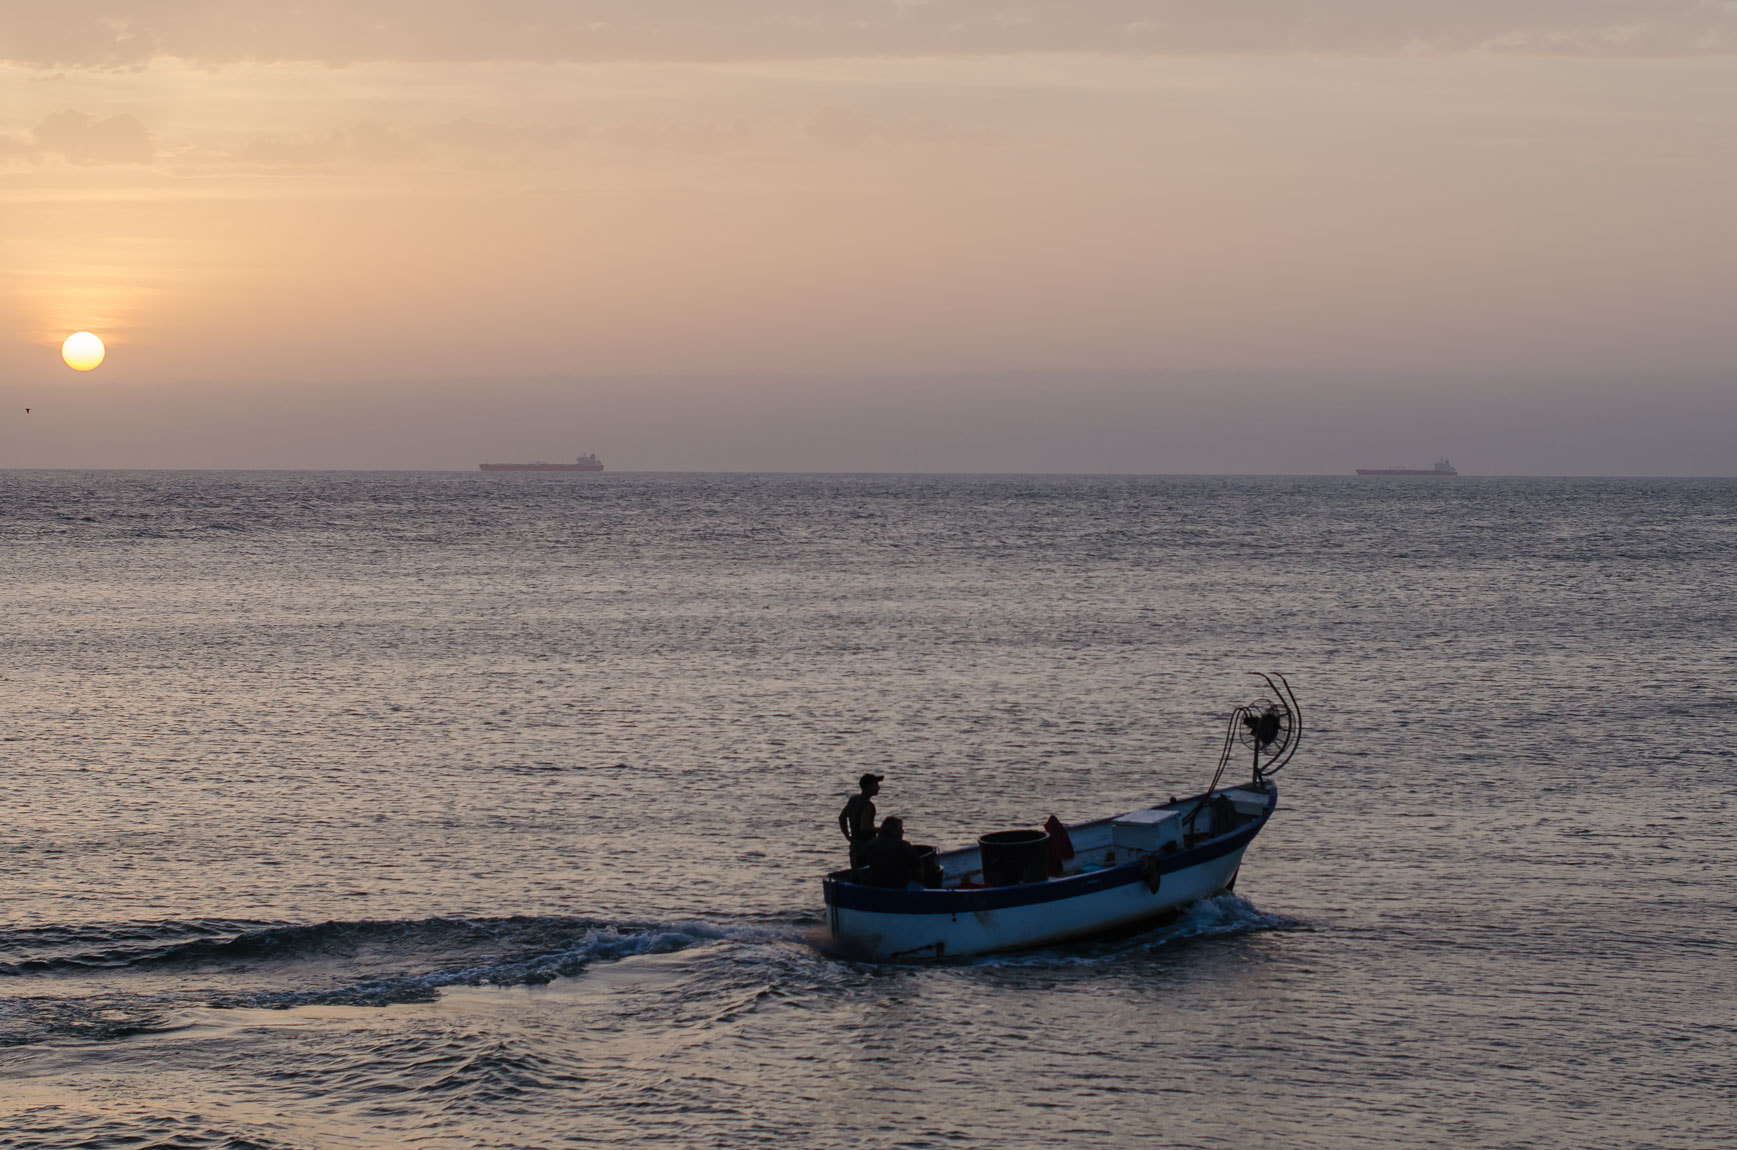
column 82, row 351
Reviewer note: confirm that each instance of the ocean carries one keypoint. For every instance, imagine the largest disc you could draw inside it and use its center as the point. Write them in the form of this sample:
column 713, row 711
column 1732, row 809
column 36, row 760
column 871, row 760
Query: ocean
column 464, row 810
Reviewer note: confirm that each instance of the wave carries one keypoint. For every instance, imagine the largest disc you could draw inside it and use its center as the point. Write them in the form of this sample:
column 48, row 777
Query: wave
column 40, row 950
column 1223, row 914
column 409, row 959
column 281, row 966
column 62, row 1125
column 601, row 942
column 216, row 943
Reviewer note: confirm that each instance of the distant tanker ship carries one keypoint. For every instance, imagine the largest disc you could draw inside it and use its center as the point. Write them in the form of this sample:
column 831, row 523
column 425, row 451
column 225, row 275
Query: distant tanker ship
column 583, row 463
column 1442, row 467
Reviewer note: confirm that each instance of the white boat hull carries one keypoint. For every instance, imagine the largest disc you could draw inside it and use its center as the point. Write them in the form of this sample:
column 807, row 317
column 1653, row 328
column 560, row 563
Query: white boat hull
column 958, row 921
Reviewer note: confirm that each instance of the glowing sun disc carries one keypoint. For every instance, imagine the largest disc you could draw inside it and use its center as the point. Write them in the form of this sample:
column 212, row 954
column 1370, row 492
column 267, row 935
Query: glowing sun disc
column 82, row 351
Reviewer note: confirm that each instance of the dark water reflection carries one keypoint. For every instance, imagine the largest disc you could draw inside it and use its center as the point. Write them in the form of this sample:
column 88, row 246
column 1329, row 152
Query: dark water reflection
column 462, row 810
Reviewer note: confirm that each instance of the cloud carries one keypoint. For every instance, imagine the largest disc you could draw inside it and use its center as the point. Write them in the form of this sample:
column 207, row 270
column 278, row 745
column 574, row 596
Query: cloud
column 468, row 142
column 82, row 139
column 842, row 128
column 373, row 142
column 129, row 33
column 367, row 142
column 482, row 138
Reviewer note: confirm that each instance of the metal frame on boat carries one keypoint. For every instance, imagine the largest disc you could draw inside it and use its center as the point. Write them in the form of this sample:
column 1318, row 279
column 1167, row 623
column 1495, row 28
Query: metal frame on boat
column 1128, row 870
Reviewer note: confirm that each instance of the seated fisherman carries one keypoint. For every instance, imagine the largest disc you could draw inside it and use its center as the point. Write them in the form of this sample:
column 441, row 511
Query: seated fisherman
column 891, row 861
column 857, row 819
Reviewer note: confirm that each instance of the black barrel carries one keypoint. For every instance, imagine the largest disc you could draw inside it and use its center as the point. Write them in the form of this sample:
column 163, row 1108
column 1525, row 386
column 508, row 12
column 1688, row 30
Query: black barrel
column 1011, row 857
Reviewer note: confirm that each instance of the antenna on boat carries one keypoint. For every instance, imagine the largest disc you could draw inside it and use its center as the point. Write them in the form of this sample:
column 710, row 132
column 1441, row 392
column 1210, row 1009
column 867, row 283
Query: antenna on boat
column 1272, row 727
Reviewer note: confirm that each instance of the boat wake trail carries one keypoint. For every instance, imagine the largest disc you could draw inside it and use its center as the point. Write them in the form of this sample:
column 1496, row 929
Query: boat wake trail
column 517, row 949
column 104, row 982
column 112, row 981
column 1221, row 915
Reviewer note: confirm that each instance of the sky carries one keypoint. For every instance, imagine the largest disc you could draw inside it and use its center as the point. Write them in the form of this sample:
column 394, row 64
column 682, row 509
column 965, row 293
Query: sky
column 871, row 235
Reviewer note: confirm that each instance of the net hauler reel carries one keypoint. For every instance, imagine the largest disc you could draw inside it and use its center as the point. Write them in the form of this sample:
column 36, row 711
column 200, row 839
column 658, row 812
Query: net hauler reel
column 1271, row 727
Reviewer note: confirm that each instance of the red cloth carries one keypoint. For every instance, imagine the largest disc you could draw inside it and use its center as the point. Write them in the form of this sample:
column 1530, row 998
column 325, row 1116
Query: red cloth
column 1061, row 848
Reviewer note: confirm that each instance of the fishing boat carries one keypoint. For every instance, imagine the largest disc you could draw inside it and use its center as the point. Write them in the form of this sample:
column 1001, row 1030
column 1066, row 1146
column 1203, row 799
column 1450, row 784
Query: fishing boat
column 1028, row 888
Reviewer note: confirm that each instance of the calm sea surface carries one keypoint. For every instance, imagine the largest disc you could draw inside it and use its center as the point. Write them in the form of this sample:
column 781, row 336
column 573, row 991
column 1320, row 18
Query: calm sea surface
column 463, row 810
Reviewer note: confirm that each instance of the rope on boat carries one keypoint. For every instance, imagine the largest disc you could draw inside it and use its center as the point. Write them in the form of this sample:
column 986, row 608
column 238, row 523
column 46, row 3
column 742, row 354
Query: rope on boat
column 1249, row 718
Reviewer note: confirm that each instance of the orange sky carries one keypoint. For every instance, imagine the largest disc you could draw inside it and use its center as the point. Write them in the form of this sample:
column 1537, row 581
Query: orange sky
column 372, row 194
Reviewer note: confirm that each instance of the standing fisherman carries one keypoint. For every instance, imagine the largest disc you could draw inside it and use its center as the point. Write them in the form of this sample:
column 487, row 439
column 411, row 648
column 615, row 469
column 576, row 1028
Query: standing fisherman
column 857, row 819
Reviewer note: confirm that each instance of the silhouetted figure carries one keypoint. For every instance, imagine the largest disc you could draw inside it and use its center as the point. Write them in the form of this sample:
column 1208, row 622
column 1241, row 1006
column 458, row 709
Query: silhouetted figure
column 891, row 861
column 857, row 819
column 1061, row 847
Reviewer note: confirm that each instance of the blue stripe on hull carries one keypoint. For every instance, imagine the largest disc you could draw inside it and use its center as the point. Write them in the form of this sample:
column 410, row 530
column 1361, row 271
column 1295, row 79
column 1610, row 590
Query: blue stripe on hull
column 925, row 937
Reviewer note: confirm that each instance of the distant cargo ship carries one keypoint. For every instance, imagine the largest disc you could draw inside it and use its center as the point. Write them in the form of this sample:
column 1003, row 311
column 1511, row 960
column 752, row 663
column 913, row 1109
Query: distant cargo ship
column 1442, row 467
column 583, row 463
